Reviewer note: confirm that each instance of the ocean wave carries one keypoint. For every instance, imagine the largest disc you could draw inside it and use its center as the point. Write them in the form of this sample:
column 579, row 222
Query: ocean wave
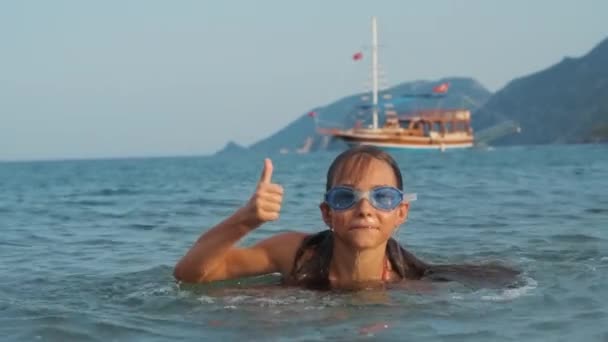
column 60, row 333
column 142, row 226
column 13, row 244
column 99, row 242
column 575, row 238
column 90, row 203
column 513, row 293
column 596, row 210
column 222, row 203
column 113, row 192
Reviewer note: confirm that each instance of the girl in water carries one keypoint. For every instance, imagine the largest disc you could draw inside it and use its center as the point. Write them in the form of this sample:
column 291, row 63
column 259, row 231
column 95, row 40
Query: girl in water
column 364, row 205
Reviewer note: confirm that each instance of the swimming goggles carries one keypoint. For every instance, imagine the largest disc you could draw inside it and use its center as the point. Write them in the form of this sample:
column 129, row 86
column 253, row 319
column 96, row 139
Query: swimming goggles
column 384, row 198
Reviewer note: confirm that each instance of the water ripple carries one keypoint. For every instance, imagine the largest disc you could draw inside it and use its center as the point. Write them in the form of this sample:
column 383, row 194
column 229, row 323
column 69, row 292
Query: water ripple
column 574, row 238
column 218, row 203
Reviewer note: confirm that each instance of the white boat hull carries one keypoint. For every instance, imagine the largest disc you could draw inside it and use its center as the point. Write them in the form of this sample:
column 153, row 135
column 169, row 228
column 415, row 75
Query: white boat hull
column 394, row 146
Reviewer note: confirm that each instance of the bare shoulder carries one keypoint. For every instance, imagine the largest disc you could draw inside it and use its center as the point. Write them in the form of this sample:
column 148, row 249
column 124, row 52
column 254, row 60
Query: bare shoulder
column 282, row 248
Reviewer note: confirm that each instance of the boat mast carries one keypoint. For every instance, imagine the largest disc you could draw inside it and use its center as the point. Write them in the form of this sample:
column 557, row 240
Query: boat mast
column 374, row 73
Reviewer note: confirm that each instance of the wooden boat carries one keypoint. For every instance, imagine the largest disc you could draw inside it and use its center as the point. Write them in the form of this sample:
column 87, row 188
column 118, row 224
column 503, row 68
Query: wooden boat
column 427, row 129
column 433, row 129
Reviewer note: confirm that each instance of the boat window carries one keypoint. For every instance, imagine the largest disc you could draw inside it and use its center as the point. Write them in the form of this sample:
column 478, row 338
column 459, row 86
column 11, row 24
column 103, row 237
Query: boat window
column 426, row 128
column 449, row 127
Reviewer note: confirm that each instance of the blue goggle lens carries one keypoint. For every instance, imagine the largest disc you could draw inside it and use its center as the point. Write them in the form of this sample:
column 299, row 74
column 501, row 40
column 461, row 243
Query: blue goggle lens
column 383, row 198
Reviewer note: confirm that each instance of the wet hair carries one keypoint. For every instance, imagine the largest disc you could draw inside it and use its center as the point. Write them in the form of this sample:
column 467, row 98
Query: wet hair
column 358, row 158
column 313, row 257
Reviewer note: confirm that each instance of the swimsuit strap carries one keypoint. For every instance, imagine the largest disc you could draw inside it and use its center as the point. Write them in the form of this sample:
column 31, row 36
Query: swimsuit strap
column 385, row 270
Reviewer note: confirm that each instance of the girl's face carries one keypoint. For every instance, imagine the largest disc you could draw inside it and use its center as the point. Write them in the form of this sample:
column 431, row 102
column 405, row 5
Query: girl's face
column 362, row 226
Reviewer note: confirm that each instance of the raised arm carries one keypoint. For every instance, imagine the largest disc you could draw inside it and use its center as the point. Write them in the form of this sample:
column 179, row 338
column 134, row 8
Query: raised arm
column 214, row 256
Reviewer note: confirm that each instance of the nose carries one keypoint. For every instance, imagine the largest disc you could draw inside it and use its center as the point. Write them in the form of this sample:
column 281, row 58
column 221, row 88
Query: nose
column 363, row 207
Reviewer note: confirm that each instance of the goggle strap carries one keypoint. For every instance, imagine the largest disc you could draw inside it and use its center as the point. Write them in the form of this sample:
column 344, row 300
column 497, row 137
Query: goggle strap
column 409, row 197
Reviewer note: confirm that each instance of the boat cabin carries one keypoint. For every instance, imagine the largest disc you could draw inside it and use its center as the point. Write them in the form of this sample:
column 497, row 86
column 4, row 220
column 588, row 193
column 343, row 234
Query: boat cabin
column 422, row 123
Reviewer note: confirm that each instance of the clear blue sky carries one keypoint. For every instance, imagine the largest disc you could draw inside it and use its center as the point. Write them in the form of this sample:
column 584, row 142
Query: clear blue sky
column 84, row 79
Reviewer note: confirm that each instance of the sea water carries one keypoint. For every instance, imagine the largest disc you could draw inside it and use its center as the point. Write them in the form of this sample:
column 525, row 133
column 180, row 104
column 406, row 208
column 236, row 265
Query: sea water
column 87, row 249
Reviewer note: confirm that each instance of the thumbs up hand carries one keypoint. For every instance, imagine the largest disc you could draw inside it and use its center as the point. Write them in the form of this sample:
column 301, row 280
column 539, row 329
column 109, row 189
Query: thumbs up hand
column 265, row 204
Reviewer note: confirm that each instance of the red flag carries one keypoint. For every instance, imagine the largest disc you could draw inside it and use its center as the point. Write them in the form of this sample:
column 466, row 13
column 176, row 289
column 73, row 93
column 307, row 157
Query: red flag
column 358, row 56
column 312, row 114
column 442, row 88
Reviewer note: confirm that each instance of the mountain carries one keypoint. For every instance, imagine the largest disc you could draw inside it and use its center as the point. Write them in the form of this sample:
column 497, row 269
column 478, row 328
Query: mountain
column 300, row 136
column 565, row 103
column 231, row 149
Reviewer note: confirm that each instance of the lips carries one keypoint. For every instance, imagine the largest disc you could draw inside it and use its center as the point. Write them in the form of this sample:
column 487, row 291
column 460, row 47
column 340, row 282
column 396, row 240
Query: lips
column 362, row 225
